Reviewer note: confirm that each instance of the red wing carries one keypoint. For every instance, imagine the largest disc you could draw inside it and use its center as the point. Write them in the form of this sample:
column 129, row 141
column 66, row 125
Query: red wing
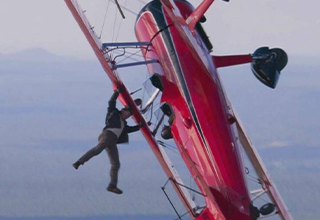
column 93, row 39
column 267, row 184
column 127, row 100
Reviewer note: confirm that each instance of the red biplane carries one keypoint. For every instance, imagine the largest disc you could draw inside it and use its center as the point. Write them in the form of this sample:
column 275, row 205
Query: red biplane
column 200, row 119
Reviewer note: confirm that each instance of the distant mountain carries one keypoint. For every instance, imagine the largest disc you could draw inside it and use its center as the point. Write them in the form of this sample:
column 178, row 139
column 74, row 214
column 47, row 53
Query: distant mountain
column 34, row 55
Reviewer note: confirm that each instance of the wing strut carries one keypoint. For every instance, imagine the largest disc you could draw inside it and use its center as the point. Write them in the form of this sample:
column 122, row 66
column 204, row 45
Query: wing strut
column 127, row 100
column 196, row 209
column 174, row 208
column 126, row 44
column 120, row 10
column 133, row 64
column 260, row 169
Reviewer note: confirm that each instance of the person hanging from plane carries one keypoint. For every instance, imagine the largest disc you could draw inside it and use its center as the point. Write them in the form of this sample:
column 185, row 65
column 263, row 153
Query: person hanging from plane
column 115, row 132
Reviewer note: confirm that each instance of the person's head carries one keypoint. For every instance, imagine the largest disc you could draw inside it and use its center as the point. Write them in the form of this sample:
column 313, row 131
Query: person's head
column 126, row 113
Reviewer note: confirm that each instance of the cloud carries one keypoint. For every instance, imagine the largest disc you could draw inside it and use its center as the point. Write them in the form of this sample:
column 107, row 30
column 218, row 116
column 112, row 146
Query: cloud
column 278, row 144
column 277, row 164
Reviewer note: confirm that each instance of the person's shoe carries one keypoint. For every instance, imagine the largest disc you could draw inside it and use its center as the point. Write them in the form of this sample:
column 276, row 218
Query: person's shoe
column 76, row 165
column 114, row 189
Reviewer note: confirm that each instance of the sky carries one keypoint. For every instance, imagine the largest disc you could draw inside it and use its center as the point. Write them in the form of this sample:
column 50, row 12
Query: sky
column 233, row 27
column 52, row 109
column 61, row 108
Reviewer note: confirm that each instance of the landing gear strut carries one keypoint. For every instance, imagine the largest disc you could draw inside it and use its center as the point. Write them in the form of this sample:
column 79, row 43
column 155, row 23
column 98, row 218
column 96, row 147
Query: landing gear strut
column 254, row 212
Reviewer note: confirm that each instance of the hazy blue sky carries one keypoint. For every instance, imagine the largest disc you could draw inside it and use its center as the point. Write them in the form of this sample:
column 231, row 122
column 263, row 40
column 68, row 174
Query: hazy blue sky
column 51, row 112
column 234, row 27
column 52, row 109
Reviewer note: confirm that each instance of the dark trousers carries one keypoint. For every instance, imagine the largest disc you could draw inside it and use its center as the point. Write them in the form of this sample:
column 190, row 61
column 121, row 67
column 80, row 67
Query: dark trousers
column 108, row 142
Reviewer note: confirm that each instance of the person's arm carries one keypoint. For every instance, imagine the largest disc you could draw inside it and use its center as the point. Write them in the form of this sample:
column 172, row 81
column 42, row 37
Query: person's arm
column 131, row 129
column 135, row 128
column 113, row 101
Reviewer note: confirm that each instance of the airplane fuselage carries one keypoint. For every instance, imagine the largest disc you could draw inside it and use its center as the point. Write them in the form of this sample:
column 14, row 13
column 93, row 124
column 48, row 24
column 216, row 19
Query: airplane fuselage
column 202, row 124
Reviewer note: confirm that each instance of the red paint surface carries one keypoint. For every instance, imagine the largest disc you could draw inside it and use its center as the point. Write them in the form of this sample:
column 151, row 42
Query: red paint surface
column 216, row 158
column 206, row 141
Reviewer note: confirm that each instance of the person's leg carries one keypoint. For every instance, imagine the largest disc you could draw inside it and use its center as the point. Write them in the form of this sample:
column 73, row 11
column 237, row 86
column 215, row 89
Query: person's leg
column 107, row 138
column 113, row 154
